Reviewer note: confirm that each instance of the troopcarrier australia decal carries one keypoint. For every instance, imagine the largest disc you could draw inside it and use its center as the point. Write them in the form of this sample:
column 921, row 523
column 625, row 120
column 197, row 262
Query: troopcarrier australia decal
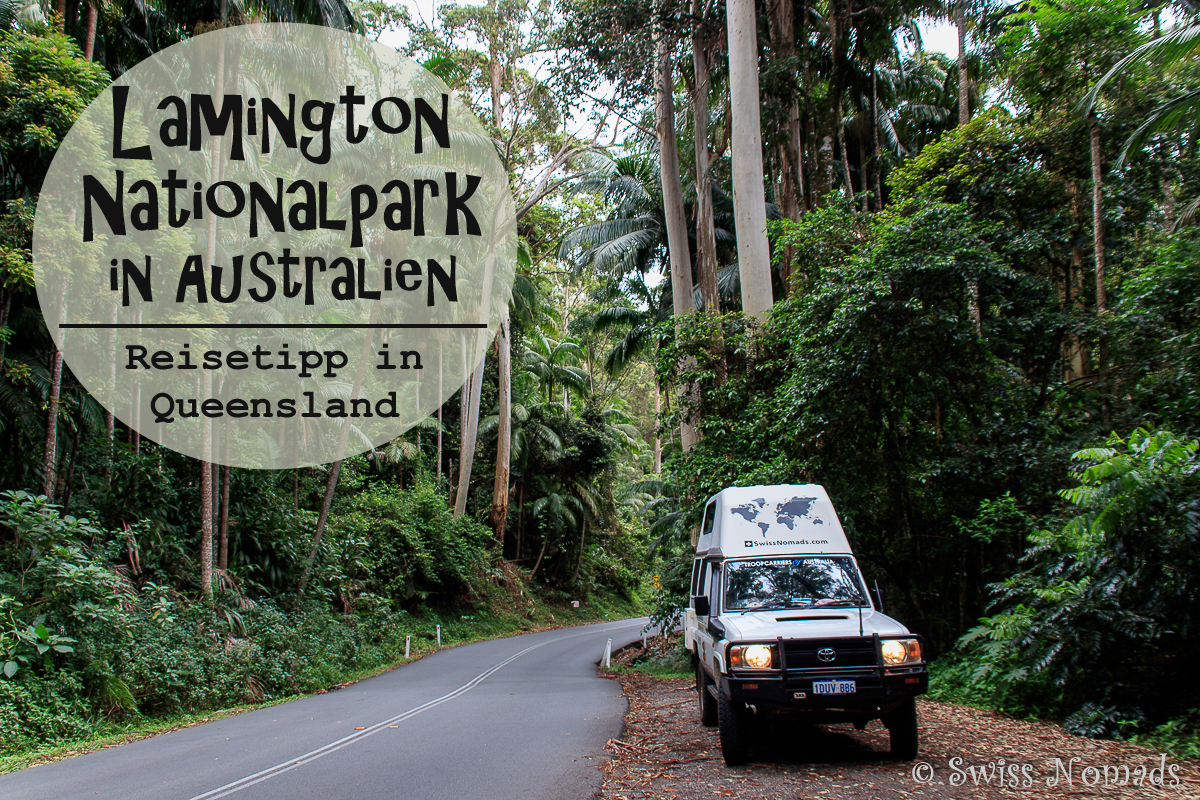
column 787, row 513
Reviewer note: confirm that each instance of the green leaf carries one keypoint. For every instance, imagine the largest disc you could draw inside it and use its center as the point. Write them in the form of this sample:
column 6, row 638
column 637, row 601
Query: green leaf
column 10, row 669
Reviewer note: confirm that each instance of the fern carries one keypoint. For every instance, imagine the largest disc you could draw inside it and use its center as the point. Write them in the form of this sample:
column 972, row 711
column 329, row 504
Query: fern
column 1103, row 604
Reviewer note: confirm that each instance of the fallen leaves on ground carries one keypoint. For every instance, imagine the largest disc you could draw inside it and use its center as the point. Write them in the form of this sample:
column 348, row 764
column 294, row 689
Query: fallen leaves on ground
column 666, row 753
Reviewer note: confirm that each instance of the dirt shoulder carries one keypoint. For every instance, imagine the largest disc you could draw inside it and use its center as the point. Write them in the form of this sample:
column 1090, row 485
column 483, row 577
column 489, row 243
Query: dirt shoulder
column 666, row 753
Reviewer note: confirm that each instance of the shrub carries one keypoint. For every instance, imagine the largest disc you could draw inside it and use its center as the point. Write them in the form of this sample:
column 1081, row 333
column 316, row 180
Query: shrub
column 1097, row 624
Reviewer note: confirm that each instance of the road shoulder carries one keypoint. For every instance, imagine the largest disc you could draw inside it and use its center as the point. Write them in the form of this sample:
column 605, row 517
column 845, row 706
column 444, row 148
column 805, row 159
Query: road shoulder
column 664, row 752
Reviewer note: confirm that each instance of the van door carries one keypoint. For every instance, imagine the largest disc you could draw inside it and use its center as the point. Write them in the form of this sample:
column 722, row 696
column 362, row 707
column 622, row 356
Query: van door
column 690, row 622
column 689, row 613
column 706, row 641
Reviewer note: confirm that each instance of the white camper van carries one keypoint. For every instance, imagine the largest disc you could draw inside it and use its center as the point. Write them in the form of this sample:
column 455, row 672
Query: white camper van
column 781, row 620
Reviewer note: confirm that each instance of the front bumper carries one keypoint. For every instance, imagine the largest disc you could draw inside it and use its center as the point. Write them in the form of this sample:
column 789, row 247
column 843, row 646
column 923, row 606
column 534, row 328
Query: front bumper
column 879, row 688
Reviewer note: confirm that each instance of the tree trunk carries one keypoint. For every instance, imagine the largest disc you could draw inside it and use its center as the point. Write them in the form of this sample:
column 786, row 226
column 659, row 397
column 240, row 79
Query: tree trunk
column 206, row 469
column 964, row 83
column 66, row 496
column 964, row 116
column 845, row 163
column 206, row 497
column 706, row 237
column 499, row 515
column 1098, row 247
column 89, row 45
column 520, row 515
column 440, row 407
column 783, row 36
column 343, row 435
column 216, row 482
column 1097, row 215
column 657, row 441
column 464, row 401
column 749, row 200
column 470, row 428
column 50, row 454
column 825, row 161
column 825, row 130
column 802, row 125
column 322, row 519
column 1082, row 361
column 109, row 420
column 538, row 563
column 797, row 134
column 223, row 546
column 677, row 238
column 862, row 174
column 495, row 75
column 877, row 158
column 579, row 561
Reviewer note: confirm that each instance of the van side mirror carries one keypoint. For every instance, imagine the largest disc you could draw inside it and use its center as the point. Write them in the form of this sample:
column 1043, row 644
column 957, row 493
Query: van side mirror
column 700, row 605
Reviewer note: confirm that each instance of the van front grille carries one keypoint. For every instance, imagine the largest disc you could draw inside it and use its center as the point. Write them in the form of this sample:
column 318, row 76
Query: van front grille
column 847, row 652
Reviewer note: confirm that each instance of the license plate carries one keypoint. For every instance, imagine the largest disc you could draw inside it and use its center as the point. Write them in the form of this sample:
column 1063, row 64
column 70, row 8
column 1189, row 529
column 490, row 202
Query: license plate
column 833, row 687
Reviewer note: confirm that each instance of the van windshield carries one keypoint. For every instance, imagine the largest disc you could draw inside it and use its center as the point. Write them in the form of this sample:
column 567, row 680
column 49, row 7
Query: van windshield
column 809, row 582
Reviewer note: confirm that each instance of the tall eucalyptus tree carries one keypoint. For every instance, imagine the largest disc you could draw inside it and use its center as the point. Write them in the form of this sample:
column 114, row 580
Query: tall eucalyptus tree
column 749, row 198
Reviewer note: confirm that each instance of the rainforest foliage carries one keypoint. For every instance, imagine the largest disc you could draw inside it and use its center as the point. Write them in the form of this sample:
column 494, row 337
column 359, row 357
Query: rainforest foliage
column 982, row 337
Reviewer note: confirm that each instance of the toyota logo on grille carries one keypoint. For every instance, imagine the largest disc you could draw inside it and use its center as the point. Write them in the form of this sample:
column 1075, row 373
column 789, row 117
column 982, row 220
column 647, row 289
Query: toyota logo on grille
column 827, row 654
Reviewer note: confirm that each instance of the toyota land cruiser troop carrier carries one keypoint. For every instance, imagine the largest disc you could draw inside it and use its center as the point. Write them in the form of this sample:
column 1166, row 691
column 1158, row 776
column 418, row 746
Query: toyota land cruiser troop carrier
column 780, row 620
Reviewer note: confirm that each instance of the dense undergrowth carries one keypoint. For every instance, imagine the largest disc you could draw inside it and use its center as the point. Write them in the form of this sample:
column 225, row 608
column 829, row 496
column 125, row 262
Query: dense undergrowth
column 197, row 670
column 1038, row 525
column 89, row 649
column 1097, row 624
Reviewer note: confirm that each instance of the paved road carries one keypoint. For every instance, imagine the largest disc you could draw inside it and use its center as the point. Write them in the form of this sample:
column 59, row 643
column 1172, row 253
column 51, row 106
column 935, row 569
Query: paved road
column 525, row 717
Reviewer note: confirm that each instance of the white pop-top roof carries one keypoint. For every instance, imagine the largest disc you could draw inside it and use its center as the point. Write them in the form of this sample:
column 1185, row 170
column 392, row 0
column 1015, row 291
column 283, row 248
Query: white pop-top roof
column 772, row 520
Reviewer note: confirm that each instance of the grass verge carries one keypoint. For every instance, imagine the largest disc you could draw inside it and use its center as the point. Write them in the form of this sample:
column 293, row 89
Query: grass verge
column 662, row 657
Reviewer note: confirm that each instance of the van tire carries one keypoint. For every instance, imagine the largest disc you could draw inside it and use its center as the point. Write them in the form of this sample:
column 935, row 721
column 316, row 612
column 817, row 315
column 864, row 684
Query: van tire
column 902, row 725
column 708, row 703
column 734, row 747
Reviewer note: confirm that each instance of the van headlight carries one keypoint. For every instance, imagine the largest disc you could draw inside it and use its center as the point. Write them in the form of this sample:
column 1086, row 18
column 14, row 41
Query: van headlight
column 751, row 656
column 900, row 651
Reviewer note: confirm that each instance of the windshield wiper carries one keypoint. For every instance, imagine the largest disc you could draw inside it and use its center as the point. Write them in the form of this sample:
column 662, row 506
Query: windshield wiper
column 765, row 607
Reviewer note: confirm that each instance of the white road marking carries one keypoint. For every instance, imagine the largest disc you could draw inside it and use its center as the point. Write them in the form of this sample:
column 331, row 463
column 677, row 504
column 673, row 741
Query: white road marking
column 320, row 752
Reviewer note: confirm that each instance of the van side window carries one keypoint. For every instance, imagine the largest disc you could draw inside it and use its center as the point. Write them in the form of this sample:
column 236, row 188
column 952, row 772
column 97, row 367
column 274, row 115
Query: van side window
column 701, row 578
column 710, row 514
column 714, row 589
column 696, row 566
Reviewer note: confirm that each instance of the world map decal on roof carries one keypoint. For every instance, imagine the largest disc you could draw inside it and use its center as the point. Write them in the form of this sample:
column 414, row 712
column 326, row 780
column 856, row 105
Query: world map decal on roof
column 786, row 513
